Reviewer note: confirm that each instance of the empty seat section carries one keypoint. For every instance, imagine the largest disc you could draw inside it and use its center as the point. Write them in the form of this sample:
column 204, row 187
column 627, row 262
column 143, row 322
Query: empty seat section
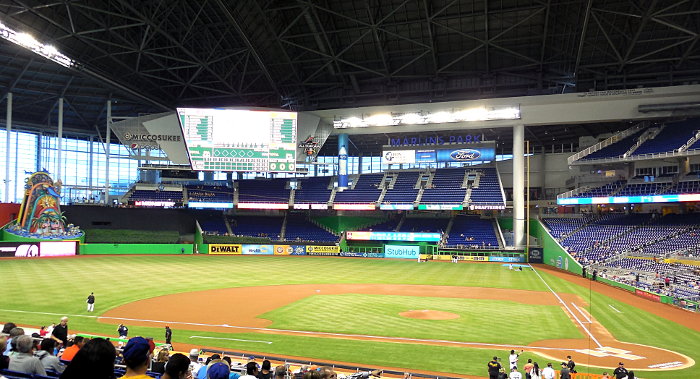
column 257, row 226
column 670, row 138
column 472, row 231
column 603, row 191
column 403, row 191
column 684, row 187
column 424, row 225
column 366, row 190
column 156, row 195
column 263, row 191
column 214, row 194
column 488, row 191
column 616, row 149
column 446, row 187
column 299, row 228
column 313, row 190
column 212, row 222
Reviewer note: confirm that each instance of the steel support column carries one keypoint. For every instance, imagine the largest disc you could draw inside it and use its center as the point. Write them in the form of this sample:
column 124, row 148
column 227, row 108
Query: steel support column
column 59, row 145
column 8, row 127
column 518, row 186
column 107, row 144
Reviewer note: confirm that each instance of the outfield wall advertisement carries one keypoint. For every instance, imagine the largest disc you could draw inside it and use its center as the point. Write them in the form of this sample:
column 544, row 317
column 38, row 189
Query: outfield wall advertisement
column 257, row 249
column 401, row 251
column 228, row 249
column 250, row 249
column 322, row 250
column 38, row 249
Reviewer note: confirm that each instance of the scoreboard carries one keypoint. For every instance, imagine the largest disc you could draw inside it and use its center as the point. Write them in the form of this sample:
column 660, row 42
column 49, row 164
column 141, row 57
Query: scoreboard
column 239, row 140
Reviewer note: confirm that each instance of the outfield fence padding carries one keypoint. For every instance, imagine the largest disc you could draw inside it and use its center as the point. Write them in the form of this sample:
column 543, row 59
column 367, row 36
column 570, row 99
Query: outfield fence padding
column 134, row 248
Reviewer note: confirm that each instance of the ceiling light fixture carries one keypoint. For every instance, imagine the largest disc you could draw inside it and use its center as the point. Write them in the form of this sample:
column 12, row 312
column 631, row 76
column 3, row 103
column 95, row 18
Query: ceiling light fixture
column 30, row 43
column 421, row 117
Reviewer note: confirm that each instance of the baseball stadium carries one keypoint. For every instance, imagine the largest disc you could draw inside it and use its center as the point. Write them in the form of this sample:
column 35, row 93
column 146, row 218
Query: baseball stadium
column 354, row 189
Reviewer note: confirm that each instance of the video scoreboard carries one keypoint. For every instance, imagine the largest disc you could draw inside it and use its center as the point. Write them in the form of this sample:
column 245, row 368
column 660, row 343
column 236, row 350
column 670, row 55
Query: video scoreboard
column 239, row 140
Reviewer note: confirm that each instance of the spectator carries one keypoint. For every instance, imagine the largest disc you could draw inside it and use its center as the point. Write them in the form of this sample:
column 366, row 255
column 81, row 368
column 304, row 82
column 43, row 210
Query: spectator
column 265, row 371
column 326, row 372
column 178, row 367
column 528, row 367
column 159, row 365
column 137, row 354
column 69, row 353
column 23, row 360
column 60, row 332
column 282, row 371
column 202, row 373
column 7, row 327
column 630, row 375
column 251, row 370
column 514, row 374
column 605, row 375
column 194, row 362
column 48, row 360
column 312, row 374
column 232, row 374
column 218, row 370
column 94, row 361
column 4, row 359
column 535, row 373
column 14, row 333
column 548, row 372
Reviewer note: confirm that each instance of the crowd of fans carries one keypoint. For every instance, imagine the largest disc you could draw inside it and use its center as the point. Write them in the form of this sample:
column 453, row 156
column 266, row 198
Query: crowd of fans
column 53, row 353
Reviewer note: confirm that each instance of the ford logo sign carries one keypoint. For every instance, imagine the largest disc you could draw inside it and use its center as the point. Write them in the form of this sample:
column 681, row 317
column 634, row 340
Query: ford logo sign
column 465, row 155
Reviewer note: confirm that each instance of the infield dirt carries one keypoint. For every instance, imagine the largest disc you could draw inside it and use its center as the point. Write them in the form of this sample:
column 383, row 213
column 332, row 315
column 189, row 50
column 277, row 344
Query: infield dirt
column 599, row 347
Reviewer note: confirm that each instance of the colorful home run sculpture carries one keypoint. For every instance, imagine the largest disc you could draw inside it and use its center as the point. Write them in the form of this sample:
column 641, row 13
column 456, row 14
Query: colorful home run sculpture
column 40, row 213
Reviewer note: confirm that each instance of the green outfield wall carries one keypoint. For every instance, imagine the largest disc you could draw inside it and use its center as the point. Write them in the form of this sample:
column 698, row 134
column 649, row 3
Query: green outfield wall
column 134, row 248
column 552, row 253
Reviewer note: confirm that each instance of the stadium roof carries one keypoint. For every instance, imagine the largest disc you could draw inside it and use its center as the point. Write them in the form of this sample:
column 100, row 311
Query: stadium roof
column 151, row 56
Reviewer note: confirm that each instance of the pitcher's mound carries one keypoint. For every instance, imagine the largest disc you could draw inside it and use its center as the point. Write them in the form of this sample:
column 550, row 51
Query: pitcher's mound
column 427, row 314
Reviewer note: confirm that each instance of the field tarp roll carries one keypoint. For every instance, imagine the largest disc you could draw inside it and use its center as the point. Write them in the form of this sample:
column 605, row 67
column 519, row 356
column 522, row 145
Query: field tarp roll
column 134, row 248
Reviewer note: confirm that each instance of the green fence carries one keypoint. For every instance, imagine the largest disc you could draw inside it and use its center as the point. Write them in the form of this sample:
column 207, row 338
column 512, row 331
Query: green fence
column 134, row 248
column 552, row 253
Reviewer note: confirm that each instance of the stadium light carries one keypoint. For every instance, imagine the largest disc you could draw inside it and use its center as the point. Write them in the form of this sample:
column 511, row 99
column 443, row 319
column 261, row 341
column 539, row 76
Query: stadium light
column 27, row 41
column 421, row 117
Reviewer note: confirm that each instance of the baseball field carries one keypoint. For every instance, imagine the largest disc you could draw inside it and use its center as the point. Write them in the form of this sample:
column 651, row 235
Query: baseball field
column 436, row 317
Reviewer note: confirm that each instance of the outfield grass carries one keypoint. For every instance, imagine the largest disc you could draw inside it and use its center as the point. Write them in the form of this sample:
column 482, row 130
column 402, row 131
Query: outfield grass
column 378, row 315
column 60, row 286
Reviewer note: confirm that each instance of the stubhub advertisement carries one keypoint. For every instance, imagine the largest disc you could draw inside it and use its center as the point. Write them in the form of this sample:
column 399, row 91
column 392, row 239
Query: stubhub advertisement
column 401, row 251
column 258, row 249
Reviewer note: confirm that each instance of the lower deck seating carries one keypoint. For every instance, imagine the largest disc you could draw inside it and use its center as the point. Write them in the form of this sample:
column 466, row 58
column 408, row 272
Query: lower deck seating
column 472, row 231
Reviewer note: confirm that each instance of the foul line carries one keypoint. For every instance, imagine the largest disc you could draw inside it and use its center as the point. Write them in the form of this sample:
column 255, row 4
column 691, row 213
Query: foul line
column 231, row 339
column 302, row 332
column 582, row 313
column 614, row 309
column 567, row 307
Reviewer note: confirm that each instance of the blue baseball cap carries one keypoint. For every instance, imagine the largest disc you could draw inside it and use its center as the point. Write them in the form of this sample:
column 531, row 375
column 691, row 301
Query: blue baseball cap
column 136, row 350
column 218, row 370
